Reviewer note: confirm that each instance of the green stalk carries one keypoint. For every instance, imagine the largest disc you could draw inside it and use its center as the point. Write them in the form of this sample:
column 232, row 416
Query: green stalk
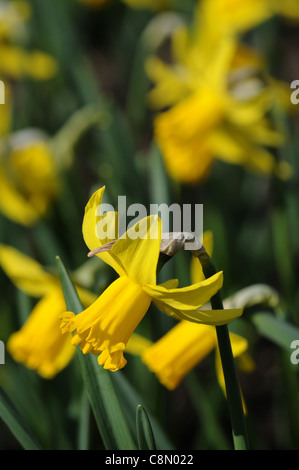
column 233, row 391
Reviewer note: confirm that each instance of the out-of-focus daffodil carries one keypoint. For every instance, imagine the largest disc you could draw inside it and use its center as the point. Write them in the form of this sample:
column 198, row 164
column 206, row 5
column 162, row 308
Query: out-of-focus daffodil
column 39, row 344
column 28, row 177
column 16, row 62
column 214, row 101
column 238, row 16
column 106, row 326
column 179, row 351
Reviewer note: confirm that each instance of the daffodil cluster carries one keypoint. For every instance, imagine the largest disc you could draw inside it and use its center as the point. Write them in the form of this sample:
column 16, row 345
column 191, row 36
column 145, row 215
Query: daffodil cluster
column 214, row 98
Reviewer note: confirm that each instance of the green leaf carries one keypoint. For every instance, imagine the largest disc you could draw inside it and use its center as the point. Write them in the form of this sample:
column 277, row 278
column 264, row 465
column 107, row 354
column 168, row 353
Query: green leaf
column 275, row 329
column 109, row 417
column 130, row 398
column 145, row 435
column 16, row 423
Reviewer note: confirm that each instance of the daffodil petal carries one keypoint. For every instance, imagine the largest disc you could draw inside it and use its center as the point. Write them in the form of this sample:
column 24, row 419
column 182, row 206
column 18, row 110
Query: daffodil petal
column 200, row 316
column 99, row 230
column 187, row 298
column 26, row 273
column 14, row 206
column 239, row 344
column 137, row 251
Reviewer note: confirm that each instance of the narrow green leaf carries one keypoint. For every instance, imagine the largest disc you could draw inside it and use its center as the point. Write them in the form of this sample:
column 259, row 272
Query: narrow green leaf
column 145, row 435
column 130, row 398
column 275, row 329
column 16, row 423
column 99, row 387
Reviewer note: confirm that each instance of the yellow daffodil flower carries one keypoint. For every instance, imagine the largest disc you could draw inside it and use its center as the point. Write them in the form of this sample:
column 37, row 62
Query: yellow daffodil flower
column 238, row 16
column 214, row 100
column 106, row 326
column 179, row 351
column 28, row 177
column 16, row 62
column 39, row 344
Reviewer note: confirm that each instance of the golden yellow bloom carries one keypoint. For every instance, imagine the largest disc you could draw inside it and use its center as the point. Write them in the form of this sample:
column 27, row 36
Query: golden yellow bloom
column 106, row 326
column 179, row 351
column 16, row 62
column 39, row 344
column 238, row 16
column 217, row 95
column 28, row 177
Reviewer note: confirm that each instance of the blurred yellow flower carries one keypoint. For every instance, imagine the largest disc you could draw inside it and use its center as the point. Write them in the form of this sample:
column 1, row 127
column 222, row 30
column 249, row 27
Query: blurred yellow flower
column 39, row 344
column 238, row 16
column 16, row 62
column 214, row 100
column 28, row 177
column 106, row 326
column 178, row 352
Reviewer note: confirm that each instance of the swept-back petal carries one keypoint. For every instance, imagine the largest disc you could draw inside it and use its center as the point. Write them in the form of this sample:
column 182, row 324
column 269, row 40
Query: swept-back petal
column 187, row 298
column 98, row 230
column 26, row 273
column 201, row 316
column 137, row 251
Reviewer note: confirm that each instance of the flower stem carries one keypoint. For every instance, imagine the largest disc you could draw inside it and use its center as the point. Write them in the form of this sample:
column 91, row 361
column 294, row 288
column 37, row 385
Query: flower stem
column 233, row 391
